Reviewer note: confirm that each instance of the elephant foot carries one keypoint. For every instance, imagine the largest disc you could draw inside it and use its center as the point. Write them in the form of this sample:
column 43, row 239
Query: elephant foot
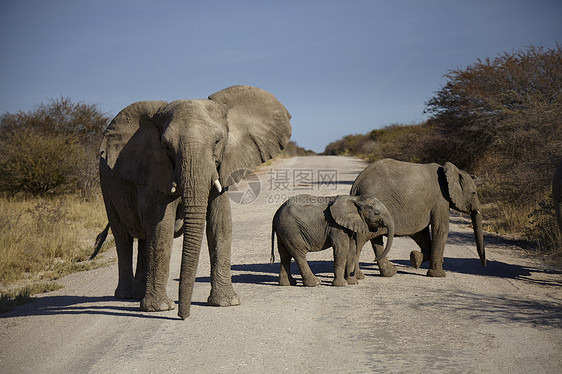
column 339, row 282
column 351, row 280
column 287, row 281
column 436, row 273
column 311, row 282
column 387, row 269
column 416, row 259
column 124, row 293
column 359, row 274
column 217, row 298
column 156, row 304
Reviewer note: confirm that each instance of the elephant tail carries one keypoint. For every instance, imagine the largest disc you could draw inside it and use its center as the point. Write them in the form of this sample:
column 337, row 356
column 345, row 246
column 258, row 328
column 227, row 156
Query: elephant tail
column 99, row 241
column 272, row 258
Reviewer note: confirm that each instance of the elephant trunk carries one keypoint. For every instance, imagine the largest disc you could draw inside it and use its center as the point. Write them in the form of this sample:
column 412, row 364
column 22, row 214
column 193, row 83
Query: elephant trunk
column 195, row 199
column 194, row 224
column 478, row 235
column 389, row 223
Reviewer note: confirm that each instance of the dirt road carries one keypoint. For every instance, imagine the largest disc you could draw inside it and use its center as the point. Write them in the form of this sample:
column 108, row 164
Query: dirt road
column 505, row 318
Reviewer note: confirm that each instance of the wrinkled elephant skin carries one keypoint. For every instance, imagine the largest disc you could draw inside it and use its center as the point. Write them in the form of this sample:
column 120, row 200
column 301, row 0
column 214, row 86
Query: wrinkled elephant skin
column 164, row 168
column 308, row 223
column 418, row 197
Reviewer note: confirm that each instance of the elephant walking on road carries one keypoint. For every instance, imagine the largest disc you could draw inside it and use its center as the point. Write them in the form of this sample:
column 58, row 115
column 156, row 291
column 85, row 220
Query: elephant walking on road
column 308, row 223
column 163, row 172
column 418, row 197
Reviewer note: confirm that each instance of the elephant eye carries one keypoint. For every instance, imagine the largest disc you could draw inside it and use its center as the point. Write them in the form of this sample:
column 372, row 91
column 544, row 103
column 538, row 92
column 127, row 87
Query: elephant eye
column 217, row 151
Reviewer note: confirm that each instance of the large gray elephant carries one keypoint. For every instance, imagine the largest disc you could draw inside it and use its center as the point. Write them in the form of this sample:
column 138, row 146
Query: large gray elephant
column 557, row 194
column 418, row 197
column 307, row 223
column 164, row 168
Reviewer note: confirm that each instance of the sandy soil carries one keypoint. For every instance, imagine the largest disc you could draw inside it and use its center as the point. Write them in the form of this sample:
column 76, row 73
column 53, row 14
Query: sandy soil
column 505, row 318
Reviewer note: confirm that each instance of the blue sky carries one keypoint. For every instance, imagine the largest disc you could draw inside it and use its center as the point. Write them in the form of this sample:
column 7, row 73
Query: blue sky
column 340, row 67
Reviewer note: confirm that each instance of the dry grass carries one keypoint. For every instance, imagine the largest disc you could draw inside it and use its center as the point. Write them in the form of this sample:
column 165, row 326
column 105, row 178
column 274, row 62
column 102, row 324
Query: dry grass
column 536, row 225
column 10, row 299
column 44, row 240
column 505, row 218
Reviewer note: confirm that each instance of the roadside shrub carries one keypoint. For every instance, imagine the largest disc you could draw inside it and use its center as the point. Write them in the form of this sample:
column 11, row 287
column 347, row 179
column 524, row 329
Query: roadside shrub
column 293, row 150
column 542, row 228
column 508, row 109
column 349, row 145
column 38, row 164
column 413, row 143
column 52, row 149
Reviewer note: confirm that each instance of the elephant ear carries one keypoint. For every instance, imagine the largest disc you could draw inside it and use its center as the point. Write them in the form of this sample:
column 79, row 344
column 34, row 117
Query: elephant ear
column 131, row 146
column 258, row 129
column 345, row 212
column 455, row 186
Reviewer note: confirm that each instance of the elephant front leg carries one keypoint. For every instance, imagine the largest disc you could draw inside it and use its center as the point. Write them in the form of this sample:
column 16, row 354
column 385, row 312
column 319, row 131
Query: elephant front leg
column 159, row 245
column 341, row 251
column 351, row 263
column 219, row 237
column 439, row 233
column 124, row 245
column 386, row 268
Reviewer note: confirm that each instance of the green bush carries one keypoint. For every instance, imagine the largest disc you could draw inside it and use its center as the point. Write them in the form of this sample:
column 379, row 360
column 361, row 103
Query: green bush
column 39, row 164
column 52, row 149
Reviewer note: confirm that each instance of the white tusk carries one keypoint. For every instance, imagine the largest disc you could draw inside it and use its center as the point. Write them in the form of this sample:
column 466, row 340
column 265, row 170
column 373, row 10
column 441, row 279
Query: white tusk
column 218, row 186
column 174, row 185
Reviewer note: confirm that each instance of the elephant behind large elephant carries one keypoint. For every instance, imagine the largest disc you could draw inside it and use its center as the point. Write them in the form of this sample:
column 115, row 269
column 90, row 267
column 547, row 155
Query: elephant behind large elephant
column 418, row 197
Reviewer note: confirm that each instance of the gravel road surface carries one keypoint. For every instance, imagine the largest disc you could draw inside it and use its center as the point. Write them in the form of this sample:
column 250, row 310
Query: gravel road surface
column 505, row 318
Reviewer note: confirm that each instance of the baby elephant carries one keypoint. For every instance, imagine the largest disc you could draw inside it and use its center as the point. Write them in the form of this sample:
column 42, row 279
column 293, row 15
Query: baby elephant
column 308, row 223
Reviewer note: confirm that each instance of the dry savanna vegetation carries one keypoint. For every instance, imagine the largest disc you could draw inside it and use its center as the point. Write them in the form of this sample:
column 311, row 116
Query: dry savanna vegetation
column 500, row 119
column 50, row 204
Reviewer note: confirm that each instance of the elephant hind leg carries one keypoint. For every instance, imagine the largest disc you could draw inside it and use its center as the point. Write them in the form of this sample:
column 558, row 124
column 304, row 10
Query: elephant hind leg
column 386, row 268
column 124, row 246
column 285, row 277
column 423, row 240
column 308, row 277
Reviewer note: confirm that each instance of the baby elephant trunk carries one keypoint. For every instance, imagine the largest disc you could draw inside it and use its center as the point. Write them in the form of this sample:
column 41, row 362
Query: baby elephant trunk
column 389, row 224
